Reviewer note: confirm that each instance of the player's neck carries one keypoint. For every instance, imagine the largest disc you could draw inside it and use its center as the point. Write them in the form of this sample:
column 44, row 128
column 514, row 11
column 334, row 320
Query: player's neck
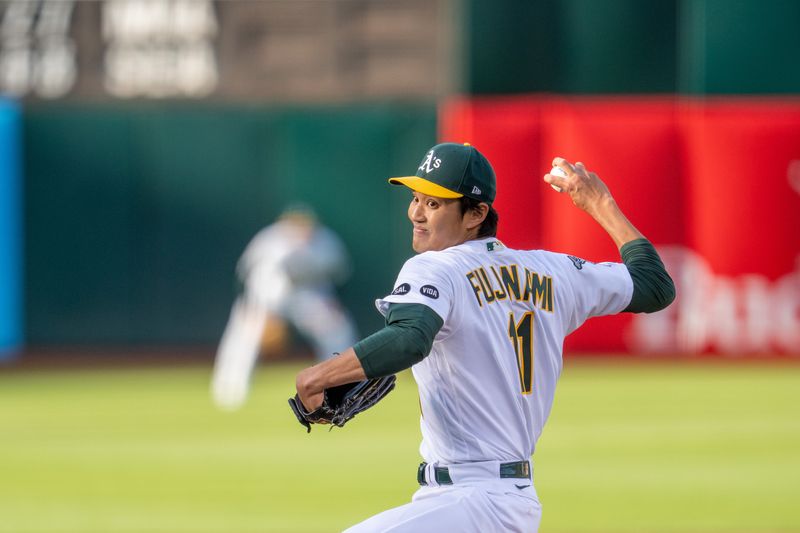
column 470, row 236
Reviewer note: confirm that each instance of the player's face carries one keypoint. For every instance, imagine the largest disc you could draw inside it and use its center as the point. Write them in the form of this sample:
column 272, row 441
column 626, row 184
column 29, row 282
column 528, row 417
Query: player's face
column 438, row 223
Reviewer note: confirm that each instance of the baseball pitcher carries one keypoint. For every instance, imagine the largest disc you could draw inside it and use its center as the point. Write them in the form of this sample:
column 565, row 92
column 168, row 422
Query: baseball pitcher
column 482, row 327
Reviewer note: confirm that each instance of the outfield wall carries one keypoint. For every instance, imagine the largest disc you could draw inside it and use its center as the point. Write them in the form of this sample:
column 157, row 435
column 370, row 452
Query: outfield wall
column 715, row 184
column 157, row 140
column 136, row 214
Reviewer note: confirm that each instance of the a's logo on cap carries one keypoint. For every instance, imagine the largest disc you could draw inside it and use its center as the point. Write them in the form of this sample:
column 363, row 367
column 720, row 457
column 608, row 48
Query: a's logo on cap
column 430, row 163
column 475, row 190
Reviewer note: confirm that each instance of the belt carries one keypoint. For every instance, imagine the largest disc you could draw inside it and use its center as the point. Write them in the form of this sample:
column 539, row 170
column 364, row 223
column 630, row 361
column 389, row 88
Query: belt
column 518, row 469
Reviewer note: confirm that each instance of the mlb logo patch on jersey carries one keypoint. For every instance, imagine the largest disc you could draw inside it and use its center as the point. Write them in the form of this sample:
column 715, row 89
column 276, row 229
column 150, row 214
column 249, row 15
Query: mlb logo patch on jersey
column 430, row 291
column 401, row 289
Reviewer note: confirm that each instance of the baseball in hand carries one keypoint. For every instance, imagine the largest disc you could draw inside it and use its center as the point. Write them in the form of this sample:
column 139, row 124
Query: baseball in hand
column 557, row 171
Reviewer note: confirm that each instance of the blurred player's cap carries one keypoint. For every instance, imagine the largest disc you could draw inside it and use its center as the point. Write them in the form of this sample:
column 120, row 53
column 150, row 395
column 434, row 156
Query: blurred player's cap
column 451, row 170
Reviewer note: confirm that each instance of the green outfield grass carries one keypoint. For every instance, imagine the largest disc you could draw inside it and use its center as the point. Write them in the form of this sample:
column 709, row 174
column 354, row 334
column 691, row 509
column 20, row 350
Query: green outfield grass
column 629, row 447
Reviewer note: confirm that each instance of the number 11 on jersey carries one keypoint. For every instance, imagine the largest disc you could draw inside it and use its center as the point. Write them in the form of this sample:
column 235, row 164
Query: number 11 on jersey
column 521, row 335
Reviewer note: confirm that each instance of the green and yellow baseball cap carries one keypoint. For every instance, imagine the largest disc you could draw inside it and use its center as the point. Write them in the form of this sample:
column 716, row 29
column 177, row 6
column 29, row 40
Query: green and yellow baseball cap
column 451, row 170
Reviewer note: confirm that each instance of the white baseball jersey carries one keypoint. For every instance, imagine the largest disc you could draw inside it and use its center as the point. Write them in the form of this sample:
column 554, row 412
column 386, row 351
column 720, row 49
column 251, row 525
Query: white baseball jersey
column 487, row 386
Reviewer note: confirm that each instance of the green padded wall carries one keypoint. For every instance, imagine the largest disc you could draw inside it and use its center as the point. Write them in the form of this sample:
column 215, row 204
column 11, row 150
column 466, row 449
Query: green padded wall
column 570, row 46
column 632, row 46
column 740, row 47
column 137, row 214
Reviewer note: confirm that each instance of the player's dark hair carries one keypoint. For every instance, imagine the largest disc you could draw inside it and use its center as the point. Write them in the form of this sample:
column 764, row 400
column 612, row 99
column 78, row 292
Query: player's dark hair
column 488, row 227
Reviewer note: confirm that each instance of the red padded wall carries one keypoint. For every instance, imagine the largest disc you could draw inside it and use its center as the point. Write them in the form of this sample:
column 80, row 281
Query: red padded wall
column 743, row 200
column 744, row 185
column 506, row 131
column 633, row 146
column 714, row 184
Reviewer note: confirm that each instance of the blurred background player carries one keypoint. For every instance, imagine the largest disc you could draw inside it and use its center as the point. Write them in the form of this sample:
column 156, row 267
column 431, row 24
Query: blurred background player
column 288, row 274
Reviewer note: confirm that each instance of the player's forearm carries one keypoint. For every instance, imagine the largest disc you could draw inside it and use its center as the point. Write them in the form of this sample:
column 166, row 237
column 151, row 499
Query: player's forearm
column 344, row 368
column 608, row 214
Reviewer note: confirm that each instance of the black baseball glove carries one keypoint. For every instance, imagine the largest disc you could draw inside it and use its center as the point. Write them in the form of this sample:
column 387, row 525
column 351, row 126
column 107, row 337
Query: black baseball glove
column 342, row 403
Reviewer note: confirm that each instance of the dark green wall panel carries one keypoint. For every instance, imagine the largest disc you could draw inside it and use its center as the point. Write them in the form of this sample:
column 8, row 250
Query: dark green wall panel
column 570, row 46
column 615, row 46
column 136, row 215
column 740, row 46
column 79, row 224
column 508, row 47
column 632, row 46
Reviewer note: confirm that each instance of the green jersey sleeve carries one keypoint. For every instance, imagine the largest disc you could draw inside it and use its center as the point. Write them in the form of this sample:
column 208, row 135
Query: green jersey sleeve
column 653, row 288
column 405, row 341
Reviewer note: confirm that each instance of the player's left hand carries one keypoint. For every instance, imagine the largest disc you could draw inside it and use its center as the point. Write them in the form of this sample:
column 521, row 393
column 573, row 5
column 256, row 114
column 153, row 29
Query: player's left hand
column 341, row 403
column 310, row 397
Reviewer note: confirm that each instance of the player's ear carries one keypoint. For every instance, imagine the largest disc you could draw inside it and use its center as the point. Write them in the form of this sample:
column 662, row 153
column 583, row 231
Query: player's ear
column 475, row 216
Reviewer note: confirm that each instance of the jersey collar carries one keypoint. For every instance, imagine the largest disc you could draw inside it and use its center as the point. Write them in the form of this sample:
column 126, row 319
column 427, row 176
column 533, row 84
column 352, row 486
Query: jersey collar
column 486, row 244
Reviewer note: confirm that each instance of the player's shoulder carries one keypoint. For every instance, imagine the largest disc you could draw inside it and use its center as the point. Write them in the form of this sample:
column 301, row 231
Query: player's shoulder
column 562, row 259
column 574, row 264
column 458, row 255
column 553, row 261
column 443, row 263
column 448, row 255
column 538, row 255
column 430, row 259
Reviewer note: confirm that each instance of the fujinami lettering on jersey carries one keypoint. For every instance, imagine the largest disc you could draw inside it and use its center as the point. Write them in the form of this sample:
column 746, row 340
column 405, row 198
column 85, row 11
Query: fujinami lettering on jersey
column 507, row 347
column 533, row 287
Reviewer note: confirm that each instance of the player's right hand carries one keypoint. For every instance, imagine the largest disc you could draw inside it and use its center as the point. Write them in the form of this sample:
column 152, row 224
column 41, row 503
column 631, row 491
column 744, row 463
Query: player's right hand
column 586, row 189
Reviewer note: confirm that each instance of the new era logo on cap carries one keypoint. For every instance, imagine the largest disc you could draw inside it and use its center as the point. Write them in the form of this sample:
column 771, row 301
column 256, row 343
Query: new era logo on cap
column 476, row 190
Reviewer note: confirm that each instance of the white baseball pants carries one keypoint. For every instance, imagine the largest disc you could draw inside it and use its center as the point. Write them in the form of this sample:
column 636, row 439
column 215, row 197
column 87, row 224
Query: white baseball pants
column 478, row 501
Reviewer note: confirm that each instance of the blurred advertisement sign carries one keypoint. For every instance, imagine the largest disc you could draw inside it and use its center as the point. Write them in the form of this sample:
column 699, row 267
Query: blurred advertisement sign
column 277, row 50
column 713, row 183
column 159, row 48
column 734, row 315
column 37, row 53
